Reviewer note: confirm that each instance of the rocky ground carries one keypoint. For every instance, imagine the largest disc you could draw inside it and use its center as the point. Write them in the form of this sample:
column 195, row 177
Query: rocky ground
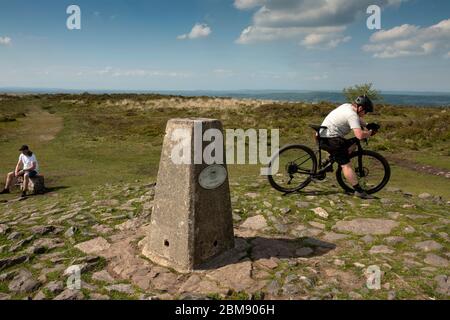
column 318, row 244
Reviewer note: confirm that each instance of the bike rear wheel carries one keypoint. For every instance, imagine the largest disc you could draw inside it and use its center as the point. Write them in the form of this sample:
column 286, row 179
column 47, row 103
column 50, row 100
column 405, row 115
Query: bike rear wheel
column 373, row 177
column 297, row 163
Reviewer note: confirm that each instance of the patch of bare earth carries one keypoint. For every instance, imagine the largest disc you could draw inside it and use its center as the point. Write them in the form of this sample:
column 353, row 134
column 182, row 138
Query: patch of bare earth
column 40, row 125
column 419, row 167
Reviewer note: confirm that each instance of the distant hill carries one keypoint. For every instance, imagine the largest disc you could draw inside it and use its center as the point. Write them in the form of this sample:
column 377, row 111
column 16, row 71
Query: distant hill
column 433, row 99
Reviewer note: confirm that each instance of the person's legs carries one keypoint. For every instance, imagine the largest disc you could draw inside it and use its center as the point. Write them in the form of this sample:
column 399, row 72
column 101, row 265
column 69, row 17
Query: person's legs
column 9, row 181
column 26, row 181
column 349, row 174
column 343, row 159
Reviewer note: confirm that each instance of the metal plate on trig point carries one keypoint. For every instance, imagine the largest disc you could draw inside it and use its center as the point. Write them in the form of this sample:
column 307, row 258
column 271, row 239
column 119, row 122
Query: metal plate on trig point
column 212, row 177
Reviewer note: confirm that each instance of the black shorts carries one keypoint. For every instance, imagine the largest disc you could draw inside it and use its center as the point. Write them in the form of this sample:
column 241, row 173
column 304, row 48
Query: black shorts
column 31, row 173
column 338, row 148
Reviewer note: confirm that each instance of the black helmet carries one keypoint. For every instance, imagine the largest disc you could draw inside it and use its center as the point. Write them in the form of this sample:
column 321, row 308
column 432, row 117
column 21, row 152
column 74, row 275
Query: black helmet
column 365, row 102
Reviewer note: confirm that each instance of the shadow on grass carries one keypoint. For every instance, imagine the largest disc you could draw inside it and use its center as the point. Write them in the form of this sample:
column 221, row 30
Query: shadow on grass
column 312, row 193
column 15, row 196
column 324, row 193
column 54, row 189
column 259, row 248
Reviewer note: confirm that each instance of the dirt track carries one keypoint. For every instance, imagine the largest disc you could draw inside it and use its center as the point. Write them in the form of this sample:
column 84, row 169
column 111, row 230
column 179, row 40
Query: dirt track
column 423, row 168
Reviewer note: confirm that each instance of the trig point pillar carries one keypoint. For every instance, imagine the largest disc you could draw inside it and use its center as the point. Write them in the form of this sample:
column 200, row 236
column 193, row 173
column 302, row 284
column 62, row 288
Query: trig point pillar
column 191, row 220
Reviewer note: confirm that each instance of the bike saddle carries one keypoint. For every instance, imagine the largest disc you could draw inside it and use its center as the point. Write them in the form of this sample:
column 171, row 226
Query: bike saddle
column 317, row 127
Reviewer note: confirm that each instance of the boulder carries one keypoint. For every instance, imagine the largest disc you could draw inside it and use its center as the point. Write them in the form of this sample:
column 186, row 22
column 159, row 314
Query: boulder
column 255, row 223
column 4, row 229
column 195, row 284
column 443, row 284
column 121, row 287
column 103, row 275
column 380, row 249
column 23, row 282
column 70, row 294
column 9, row 262
column 36, row 185
column 429, row 245
column 320, row 212
column 235, row 276
column 93, row 246
column 436, row 260
column 365, row 226
column 55, row 287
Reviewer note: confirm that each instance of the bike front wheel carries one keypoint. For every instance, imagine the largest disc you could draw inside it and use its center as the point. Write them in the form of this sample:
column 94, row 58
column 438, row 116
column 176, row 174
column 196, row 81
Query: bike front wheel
column 296, row 165
column 373, row 175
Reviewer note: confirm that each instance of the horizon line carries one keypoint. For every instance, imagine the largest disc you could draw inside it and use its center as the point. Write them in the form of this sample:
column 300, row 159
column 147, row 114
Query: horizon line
column 98, row 90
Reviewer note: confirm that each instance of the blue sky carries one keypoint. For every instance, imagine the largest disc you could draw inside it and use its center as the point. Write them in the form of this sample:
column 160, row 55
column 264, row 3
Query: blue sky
column 237, row 44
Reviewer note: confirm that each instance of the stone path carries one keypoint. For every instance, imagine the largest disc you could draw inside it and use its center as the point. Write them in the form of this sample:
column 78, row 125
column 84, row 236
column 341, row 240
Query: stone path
column 302, row 246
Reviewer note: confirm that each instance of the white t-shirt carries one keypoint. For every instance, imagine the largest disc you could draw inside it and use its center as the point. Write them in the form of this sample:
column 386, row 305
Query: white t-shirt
column 340, row 122
column 28, row 161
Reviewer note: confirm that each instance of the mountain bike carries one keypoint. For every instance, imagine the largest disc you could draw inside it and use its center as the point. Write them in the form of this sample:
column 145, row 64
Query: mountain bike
column 299, row 165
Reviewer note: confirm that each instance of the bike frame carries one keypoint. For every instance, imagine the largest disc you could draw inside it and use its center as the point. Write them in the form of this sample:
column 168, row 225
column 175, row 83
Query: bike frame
column 324, row 170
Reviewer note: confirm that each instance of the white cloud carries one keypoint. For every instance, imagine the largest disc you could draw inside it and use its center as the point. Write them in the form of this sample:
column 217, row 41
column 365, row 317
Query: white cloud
column 319, row 77
column 248, row 4
column 409, row 40
column 5, row 41
column 254, row 34
column 402, row 31
column 199, row 30
column 305, row 20
column 104, row 71
column 324, row 40
column 115, row 72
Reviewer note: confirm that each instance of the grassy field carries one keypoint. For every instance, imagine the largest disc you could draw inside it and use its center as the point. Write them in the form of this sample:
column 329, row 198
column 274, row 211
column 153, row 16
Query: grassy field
column 100, row 157
column 87, row 140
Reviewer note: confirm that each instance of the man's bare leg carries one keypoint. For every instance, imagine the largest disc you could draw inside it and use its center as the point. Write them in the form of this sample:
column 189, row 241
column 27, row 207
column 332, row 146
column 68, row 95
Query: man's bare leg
column 9, row 181
column 347, row 169
column 26, row 181
column 349, row 174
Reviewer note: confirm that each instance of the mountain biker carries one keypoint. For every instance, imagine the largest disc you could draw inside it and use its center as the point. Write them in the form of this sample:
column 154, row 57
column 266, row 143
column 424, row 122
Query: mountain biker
column 339, row 123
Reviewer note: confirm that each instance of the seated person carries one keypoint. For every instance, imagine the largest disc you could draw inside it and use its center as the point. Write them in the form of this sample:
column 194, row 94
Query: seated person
column 27, row 167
